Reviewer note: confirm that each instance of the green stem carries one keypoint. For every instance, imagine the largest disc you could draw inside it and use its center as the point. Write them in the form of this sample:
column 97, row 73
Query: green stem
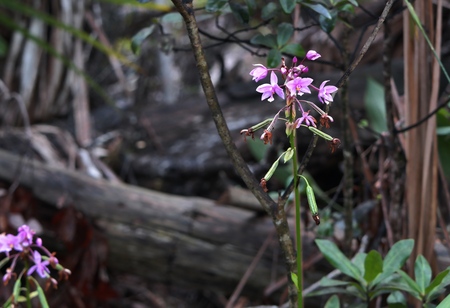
column 297, row 223
column 27, row 284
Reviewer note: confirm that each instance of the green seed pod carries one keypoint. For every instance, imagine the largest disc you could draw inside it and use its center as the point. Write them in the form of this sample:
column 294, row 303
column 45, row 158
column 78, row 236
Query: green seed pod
column 312, row 204
column 271, row 170
column 288, row 155
column 320, row 133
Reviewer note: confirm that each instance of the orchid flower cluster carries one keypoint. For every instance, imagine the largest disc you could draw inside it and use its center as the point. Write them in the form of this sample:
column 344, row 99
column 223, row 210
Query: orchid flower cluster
column 293, row 87
column 36, row 258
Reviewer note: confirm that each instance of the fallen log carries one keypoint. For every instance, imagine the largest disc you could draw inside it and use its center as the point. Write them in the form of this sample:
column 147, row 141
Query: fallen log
column 180, row 240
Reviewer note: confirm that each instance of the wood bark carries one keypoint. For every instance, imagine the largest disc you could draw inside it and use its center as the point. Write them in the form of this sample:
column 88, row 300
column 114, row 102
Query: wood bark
column 182, row 240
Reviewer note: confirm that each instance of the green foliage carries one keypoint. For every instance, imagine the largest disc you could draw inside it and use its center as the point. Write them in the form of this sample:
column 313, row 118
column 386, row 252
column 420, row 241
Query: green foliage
column 443, row 136
column 371, row 276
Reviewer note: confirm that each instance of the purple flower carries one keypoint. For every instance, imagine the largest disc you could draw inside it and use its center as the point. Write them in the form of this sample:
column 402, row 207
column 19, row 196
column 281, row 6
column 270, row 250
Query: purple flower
column 39, row 266
column 25, row 234
column 325, row 93
column 268, row 90
column 9, row 242
column 308, row 119
column 312, row 55
column 299, row 85
column 258, row 73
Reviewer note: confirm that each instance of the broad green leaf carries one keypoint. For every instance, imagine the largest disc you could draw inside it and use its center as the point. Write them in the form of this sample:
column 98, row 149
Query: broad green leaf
column 396, row 299
column 294, row 49
column 445, row 303
column 373, row 265
column 411, row 286
column 150, row 5
column 357, row 290
column 274, row 58
column 422, row 273
column 327, row 282
column 215, row 5
column 332, row 253
column 439, row 284
column 353, row 2
column 375, row 107
column 139, row 38
column 359, row 260
column 240, row 12
column 397, row 255
column 443, row 131
column 318, row 8
column 284, row 33
column 333, row 302
column 268, row 40
column 288, row 5
column 269, row 11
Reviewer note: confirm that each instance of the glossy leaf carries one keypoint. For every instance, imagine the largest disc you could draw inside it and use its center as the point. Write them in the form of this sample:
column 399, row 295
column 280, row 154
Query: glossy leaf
column 397, row 255
column 359, row 260
column 445, row 303
column 332, row 253
column 438, row 284
column 422, row 273
column 294, row 49
column 333, row 302
column 288, row 5
column 251, row 4
column 328, row 24
column 284, row 33
column 318, row 8
column 373, row 265
column 274, row 58
column 240, row 12
column 268, row 40
column 269, row 11
column 213, row 6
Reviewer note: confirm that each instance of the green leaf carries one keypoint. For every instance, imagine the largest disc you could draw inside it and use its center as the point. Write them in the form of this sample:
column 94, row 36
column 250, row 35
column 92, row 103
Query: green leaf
column 288, row 5
column 336, row 258
column 375, row 107
column 327, row 282
column 422, row 273
column 269, row 11
column 331, row 291
column 328, row 24
column 439, row 283
column 373, row 265
column 16, row 289
column 284, row 33
column 411, row 286
column 273, row 58
column 41, row 293
column 213, row 6
column 318, row 8
column 445, row 303
column 240, row 12
column 268, row 40
column 332, row 302
column 359, row 260
column 397, row 255
column 395, row 259
column 294, row 49
column 396, row 297
column 139, row 38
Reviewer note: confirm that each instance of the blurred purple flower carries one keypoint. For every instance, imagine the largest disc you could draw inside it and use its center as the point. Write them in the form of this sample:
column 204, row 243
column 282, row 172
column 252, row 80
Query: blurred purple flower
column 312, row 55
column 299, row 85
column 39, row 266
column 325, row 92
column 308, row 119
column 258, row 73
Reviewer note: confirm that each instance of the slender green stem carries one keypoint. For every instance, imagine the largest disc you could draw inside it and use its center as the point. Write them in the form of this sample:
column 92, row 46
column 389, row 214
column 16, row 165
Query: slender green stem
column 297, row 223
